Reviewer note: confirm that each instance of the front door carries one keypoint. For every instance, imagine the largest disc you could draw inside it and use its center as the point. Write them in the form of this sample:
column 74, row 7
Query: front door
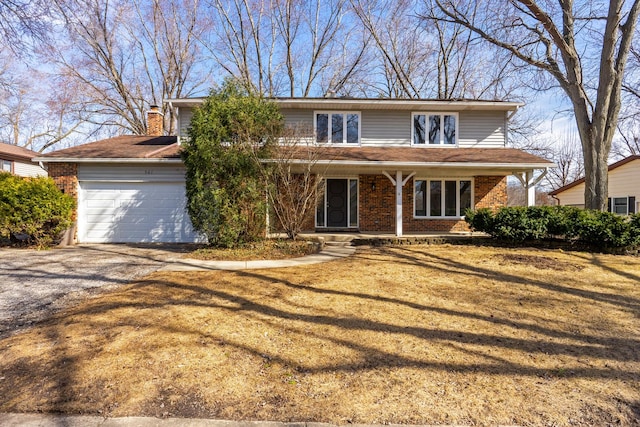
column 337, row 207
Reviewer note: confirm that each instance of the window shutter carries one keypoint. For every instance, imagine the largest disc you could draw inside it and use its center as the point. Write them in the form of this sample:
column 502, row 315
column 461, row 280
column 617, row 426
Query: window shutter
column 632, row 205
column 609, row 207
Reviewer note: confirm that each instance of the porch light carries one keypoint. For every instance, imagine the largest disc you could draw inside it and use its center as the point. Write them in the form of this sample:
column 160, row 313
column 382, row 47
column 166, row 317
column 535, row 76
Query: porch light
column 373, row 186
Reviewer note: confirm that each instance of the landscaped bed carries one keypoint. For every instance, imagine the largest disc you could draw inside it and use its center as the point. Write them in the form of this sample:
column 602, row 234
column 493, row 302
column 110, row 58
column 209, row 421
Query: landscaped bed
column 262, row 249
column 412, row 334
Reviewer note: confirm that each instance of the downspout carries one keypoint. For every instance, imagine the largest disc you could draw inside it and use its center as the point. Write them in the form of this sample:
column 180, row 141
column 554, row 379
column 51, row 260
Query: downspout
column 506, row 125
column 177, row 121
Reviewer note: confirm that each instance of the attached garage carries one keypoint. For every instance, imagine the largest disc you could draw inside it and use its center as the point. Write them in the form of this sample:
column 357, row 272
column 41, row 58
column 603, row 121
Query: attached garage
column 128, row 189
column 132, row 204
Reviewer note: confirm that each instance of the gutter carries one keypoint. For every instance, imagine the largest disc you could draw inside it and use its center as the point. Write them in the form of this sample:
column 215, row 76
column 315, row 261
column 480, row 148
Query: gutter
column 104, row 160
column 408, row 104
column 420, row 164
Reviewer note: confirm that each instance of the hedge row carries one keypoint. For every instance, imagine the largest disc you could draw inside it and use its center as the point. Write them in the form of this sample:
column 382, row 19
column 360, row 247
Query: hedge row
column 520, row 224
column 33, row 211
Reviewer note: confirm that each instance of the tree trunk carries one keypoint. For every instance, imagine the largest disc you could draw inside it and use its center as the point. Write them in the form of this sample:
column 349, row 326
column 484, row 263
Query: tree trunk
column 596, row 168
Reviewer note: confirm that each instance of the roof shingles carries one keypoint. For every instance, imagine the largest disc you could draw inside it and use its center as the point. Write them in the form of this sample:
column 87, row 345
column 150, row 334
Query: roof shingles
column 433, row 155
column 13, row 152
column 122, row 147
column 166, row 147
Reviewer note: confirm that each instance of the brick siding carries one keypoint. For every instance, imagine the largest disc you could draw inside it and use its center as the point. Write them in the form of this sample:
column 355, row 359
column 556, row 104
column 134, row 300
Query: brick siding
column 377, row 207
column 65, row 175
column 490, row 191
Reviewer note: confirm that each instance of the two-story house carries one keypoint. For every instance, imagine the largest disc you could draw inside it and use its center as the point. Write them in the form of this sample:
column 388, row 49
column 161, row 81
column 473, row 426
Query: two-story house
column 388, row 166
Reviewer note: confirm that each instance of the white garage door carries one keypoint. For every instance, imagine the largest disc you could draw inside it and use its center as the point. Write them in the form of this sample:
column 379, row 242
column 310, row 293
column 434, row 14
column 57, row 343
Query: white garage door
column 133, row 212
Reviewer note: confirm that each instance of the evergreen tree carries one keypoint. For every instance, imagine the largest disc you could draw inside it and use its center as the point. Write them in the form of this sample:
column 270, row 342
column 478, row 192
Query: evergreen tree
column 226, row 197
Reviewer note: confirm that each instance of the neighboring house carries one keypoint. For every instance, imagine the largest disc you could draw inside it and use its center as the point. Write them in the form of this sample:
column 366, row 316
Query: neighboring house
column 389, row 166
column 17, row 160
column 624, row 192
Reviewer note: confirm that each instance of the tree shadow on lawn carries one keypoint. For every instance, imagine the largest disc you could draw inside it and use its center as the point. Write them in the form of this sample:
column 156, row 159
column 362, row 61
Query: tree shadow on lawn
column 448, row 264
column 246, row 301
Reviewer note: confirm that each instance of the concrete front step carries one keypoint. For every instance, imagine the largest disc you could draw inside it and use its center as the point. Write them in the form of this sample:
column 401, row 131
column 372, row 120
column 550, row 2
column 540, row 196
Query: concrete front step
column 334, row 243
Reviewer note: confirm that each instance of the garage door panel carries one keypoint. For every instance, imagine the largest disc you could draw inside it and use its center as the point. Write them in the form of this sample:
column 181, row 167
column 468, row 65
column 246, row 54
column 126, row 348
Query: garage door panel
column 132, row 212
column 101, row 203
column 102, row 219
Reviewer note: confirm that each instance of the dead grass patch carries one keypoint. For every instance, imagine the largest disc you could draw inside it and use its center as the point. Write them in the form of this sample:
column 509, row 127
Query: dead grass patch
column 271, row 249
column 537, row 261
column 417, row 335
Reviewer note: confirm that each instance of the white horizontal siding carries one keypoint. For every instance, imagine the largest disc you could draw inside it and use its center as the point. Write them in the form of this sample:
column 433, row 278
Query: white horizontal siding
column 392, row 127
column 131, row 173
column 298, row 118
column 184, row 119
column 386, row 128
column 380, row 128
column 28, row 169
column 574, row 196
column 623, row 180
column 481, row 129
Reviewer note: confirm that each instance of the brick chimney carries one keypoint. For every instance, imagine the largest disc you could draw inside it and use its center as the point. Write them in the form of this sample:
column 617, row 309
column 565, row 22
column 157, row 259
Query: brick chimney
column 155, row 121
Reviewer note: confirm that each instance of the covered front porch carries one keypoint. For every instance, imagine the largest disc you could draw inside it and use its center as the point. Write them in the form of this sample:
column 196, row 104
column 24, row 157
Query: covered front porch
column 400, row 190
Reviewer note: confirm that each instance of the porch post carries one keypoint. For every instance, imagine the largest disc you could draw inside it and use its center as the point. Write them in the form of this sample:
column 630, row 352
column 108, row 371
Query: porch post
column 529, row 182
column 530, row 189
column 399, row 203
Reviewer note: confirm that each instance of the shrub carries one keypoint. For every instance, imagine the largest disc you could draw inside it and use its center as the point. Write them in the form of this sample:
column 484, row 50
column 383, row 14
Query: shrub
column 634, row 229
column 33, row 210
column 480, row 220
column 603, row 229
column 519, row 224
column 562, row 220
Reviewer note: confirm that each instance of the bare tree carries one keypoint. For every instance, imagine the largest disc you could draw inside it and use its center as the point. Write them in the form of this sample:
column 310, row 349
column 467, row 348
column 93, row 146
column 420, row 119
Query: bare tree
column 36, row 111
column 402, row 48
column 628, row 142
column 22, row 21
column 587, row 62
column 126, row 55
column 293, row 183
column 567, row 156
column 418, row 59
column 286, row 47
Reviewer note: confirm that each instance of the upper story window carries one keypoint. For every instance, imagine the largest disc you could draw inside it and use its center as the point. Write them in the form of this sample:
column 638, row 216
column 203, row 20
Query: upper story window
column 6, row 165
column 434, row 129
column 337, row 127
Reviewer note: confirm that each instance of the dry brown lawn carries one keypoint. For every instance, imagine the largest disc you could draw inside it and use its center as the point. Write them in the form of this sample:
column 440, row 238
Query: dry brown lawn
column 415, row 334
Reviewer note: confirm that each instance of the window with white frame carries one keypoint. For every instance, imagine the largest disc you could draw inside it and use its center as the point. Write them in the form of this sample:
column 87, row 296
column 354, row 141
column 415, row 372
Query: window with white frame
column 441, row 198
column 6, row 165
column 337, row 127
column 434, row 129
column 622, row 205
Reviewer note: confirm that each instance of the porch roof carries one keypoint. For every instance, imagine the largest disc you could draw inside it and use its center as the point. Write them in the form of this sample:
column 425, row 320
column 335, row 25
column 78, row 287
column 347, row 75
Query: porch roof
column 420, row 157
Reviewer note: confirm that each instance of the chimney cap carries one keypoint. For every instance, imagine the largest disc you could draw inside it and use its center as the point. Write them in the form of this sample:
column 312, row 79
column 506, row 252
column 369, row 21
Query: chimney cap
column 154, row 107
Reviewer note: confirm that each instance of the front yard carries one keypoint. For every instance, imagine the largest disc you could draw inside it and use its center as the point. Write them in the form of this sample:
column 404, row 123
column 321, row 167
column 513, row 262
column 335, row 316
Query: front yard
column 415, row 334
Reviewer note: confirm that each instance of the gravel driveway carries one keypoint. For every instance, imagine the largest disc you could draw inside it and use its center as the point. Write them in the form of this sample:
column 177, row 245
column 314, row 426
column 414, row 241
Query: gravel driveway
column 34, row 284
